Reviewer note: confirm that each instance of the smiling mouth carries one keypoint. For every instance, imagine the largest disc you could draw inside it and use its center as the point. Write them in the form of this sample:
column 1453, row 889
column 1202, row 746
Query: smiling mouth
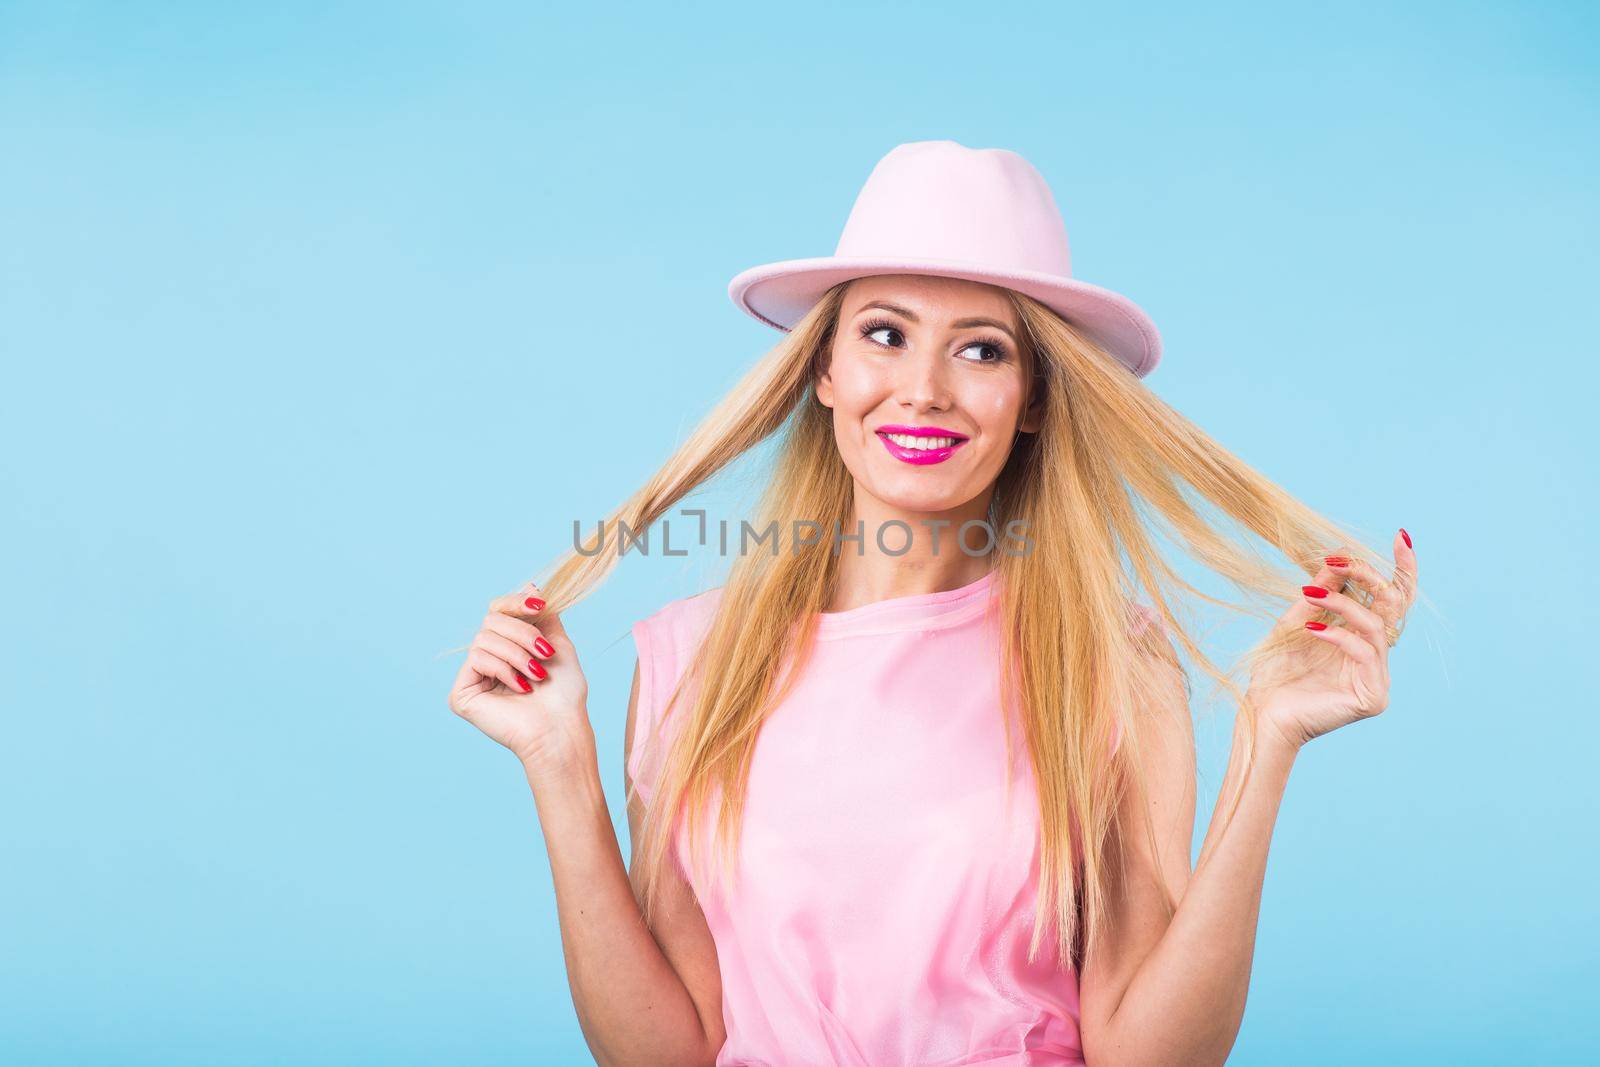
column 921, row 444
column 920, row 449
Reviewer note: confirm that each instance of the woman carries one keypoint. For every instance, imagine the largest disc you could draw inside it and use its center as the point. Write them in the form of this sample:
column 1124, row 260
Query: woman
column 952, row 783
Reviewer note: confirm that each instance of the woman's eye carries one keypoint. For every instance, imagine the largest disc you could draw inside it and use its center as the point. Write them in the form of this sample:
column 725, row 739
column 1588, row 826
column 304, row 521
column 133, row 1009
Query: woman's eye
column 891, row 337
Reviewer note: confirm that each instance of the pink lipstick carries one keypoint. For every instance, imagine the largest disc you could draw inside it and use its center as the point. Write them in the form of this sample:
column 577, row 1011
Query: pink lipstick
column 907, row 451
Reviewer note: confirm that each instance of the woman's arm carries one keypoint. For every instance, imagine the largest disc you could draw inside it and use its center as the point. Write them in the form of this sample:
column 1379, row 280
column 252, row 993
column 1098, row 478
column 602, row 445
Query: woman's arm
column 633, row 1006
column 1174, row 992
column 1161, row 992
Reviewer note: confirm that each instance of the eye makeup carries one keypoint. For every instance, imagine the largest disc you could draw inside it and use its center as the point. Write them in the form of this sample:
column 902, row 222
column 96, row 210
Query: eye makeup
column 873, row 325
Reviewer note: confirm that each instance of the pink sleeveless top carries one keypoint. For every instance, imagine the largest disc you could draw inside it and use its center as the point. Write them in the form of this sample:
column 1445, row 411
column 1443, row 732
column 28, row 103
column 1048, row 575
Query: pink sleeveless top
column 886, row 881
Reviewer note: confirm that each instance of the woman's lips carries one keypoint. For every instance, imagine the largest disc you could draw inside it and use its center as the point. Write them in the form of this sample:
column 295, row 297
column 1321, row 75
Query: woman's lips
column 919, row 455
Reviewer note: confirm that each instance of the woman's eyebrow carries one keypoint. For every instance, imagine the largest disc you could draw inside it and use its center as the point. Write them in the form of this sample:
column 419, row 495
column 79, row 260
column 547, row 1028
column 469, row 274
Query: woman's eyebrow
column 960, row 324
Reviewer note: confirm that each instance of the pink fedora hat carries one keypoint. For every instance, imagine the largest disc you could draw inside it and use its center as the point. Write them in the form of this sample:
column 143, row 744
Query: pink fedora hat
column 941, row 208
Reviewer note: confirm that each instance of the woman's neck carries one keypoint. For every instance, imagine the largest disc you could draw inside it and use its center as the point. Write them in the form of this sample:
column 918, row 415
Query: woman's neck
column 933, row 561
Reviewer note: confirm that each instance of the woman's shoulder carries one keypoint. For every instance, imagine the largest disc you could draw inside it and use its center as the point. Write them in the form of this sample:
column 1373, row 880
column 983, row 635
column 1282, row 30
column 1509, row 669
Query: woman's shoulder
column 683, row 619
column 695, row 605
column 1143, row 618
column 665, row 641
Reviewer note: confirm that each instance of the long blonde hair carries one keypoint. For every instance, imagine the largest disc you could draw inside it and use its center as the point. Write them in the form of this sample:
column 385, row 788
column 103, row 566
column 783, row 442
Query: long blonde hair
column 1110, row 466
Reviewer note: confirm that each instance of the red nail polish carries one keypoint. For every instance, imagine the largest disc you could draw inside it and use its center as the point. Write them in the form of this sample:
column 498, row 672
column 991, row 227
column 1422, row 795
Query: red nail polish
column 538, row 670
column 534, row 604
column 526, row 685
column 1314, row 591
column 1337, row 561
column 1316, row 626
column 1406, row 536
column 543, row 647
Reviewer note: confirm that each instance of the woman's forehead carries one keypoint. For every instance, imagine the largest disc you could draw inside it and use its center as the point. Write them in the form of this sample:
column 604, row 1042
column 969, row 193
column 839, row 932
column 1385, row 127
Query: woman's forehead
column 930, row 298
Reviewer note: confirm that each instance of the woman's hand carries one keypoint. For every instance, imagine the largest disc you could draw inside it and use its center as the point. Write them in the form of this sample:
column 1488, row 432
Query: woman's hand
column 1302, row 695
column 522, row 685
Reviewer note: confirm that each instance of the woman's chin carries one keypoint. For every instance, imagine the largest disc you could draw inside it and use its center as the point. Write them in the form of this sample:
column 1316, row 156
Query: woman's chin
column 920, row 500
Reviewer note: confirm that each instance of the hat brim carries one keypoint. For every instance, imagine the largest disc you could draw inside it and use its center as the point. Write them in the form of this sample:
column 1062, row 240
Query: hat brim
column 780, row 294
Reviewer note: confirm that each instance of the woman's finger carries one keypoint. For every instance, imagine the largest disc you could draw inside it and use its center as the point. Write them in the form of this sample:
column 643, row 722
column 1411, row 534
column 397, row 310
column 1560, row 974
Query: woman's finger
column 515, row 656
column 1405, row 567
column 1388, row 599
column 1357, row 616
column 1304, row 610
column 1354, row 644
column 529, row 603
column 525, row 634
column 492, row 666
column 526, row 602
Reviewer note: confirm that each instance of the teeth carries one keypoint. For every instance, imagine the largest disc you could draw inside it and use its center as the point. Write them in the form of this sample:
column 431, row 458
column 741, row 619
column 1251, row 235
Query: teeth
column 907, row 441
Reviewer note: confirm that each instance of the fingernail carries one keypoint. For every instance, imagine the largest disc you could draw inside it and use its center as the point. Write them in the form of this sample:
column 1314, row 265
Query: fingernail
column 1316, row 626
column 1314, row 591
column 538, row 670
column 534, row 604
column 1337, row 561
column 543, row 647
column 526, row 685
column 1406, row 536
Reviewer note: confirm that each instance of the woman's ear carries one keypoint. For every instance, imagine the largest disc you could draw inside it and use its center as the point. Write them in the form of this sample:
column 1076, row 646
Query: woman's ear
column 824, row 387
column 1033, row 414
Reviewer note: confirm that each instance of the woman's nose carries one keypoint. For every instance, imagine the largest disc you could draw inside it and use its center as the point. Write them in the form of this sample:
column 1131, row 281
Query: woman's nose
column 922, row 382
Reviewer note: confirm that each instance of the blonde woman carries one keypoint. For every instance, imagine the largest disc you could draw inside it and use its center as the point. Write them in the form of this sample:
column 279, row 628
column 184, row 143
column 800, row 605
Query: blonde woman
column 922, row 790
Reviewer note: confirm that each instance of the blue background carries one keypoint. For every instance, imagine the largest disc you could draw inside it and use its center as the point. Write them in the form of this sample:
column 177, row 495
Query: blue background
column 320, row 323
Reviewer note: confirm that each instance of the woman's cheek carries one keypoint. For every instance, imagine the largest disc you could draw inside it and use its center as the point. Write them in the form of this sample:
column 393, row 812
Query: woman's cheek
column 995, row 414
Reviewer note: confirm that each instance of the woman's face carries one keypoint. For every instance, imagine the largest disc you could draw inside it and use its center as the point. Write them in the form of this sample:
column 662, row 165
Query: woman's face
column 916, row 358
